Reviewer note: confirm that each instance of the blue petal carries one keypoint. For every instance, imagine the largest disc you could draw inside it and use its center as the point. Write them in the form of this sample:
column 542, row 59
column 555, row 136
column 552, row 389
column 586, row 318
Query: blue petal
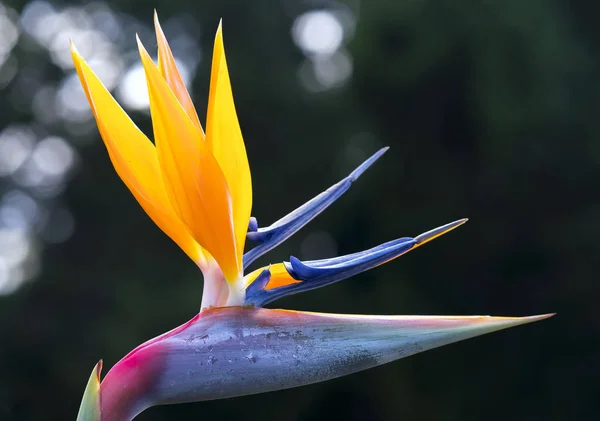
column 273, row 235
column 259, row 283
column 318, row 273
column 349, row 257
column 324, row 272
column 253, row 225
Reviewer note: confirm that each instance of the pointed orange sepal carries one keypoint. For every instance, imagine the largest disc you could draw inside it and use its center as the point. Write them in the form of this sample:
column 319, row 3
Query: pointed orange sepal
column 224, row 138
column 134, row 158
column 194, row 182
column 168, row 68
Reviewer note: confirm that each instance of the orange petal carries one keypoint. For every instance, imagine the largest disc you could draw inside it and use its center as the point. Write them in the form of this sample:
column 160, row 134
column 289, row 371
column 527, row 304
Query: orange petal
column 279, row 276
column 224, row 138
column 194, row 182
column 134, row 158
column 168, row 68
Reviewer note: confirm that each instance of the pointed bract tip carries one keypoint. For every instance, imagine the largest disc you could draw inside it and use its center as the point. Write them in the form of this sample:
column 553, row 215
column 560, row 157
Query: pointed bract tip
column 89, row 410
column 99, row 370
column 436, row 232
column 538, row 317
column 493, row 323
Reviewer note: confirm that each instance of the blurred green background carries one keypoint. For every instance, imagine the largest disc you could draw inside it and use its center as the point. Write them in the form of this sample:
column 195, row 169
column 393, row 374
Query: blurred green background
column 490, row 109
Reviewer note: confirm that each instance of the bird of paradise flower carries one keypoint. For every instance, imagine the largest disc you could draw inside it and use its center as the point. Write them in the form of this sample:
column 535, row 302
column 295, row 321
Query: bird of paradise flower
column 196, row 186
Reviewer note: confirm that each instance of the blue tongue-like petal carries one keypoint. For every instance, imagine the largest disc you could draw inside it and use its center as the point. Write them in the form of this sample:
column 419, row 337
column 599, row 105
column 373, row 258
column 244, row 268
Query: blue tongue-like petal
column 317, row 273
column 273, row 235
column 327, row 271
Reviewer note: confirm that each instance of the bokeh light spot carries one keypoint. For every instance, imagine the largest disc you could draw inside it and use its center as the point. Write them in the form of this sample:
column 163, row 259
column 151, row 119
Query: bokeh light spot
column 318, row 32
column 132, row 90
